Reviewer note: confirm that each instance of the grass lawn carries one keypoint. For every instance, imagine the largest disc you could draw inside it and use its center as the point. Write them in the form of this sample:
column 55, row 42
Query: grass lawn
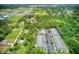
column 14, row 19
column 12, row 36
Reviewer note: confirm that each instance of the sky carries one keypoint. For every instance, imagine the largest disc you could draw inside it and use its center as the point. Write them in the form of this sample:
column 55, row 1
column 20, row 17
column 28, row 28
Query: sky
column 39, row 1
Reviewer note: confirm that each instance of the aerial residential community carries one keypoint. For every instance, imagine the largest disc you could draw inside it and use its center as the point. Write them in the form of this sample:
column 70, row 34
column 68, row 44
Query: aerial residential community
column 39, row 29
